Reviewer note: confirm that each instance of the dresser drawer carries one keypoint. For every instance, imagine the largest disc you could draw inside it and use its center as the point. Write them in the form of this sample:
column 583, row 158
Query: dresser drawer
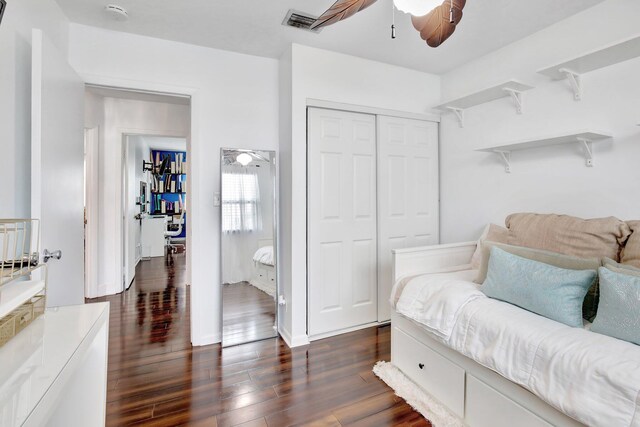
column 486, row 407
column 437, row 375
column 271, row 275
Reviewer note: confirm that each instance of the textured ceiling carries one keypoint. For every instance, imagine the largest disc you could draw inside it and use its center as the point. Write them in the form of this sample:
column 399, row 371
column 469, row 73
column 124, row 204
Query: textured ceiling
column 254, row 27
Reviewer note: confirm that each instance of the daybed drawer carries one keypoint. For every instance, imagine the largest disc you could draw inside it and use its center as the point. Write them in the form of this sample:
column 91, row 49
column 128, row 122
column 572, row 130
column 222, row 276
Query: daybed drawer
column 438, row 376
column 271, row 275
column 488, row 408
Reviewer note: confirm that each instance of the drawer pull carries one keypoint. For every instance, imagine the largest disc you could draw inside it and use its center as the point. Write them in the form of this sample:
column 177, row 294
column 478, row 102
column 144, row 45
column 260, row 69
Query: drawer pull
column 421, row 365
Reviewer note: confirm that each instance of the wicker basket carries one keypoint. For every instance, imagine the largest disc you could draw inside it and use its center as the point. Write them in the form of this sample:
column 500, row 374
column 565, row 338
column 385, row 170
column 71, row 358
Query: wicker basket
column 20, row 318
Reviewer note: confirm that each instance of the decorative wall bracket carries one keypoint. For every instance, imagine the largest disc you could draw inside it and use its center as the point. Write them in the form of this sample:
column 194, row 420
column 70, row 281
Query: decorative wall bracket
column 506, row 158
column 576, row 82
column 459, row 112
column 517, row 97
column 588, row 151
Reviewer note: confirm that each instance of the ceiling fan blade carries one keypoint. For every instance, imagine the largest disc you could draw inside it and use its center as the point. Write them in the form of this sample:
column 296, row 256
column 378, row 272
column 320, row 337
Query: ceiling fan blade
column 341, row 9
column 436, row 26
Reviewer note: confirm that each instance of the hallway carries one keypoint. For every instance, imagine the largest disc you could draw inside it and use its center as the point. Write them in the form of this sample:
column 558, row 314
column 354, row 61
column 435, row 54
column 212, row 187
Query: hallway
column 156, row 378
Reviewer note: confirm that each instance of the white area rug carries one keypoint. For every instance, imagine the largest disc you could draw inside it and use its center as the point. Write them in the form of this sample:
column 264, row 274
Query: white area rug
column 429, row 407
column 268, row 288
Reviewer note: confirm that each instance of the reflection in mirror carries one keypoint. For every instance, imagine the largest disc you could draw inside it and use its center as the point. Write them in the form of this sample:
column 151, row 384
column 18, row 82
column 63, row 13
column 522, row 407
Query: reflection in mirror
column 249, row 281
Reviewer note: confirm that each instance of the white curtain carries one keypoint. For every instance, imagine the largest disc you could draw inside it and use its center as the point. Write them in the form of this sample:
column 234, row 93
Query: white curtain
column 240, row 201
column 241, row 222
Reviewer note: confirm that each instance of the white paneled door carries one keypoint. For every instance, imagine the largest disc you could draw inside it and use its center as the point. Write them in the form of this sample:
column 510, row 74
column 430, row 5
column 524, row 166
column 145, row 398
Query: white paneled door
column 57, row 161
column 408, row 200
column 342, row 252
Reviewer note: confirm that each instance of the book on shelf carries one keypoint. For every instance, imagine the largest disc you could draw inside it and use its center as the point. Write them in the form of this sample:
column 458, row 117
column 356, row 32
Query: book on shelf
column 173, row 186
column 173, row 167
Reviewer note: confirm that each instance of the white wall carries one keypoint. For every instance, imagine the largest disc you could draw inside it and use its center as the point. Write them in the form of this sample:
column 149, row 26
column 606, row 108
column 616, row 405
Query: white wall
column 474, row 187
column 20, row 18
column 309, row 73
column 234, row 104
column 137, row 151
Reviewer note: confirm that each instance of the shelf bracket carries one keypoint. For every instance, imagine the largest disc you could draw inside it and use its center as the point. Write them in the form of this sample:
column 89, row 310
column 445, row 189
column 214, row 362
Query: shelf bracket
column 459, row 112
column 576, row 82
column 517, row 98
column 506, row 158
column 588, row 151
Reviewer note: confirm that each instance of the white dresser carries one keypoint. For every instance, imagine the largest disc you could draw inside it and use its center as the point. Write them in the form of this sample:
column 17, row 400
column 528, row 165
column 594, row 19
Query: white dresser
column 54, row 372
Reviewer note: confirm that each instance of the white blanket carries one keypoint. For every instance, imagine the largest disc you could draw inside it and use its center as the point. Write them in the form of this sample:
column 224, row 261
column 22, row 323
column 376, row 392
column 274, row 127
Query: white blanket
column 590, row 377
column 264, row 255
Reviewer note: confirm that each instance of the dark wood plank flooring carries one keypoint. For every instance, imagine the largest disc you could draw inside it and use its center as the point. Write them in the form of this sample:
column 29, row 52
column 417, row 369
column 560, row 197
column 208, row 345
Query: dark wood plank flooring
column 157, row 379
column 248, row 314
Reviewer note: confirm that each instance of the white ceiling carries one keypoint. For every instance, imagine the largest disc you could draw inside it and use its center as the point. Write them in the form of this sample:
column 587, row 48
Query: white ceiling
column 254, row 27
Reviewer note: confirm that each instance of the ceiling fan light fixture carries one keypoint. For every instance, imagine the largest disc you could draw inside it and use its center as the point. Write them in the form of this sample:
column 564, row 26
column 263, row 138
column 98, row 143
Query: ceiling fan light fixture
column 116, row 12
column 416, row 7
column 244, row 159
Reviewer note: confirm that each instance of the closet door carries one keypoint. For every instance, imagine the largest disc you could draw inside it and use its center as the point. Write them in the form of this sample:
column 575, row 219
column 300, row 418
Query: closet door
column 408, row 200
column 342, row 253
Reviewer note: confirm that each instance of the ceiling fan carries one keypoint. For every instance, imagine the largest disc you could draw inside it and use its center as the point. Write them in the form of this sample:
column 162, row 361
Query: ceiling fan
column 436, row 20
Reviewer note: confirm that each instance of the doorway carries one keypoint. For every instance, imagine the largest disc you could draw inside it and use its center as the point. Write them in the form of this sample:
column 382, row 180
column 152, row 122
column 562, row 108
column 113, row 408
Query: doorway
column 140, row 209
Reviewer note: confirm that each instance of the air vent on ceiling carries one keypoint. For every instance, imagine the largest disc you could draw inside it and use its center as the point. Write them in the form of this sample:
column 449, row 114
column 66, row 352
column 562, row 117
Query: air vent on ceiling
column 300, row 20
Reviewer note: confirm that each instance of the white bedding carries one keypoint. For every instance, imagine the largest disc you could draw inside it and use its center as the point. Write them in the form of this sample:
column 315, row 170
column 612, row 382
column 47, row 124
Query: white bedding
column 264, row 255
column 590, row 377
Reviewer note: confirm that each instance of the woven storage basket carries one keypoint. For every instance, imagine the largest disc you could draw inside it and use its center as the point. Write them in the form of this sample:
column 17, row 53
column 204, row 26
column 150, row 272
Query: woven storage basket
column 20, row 318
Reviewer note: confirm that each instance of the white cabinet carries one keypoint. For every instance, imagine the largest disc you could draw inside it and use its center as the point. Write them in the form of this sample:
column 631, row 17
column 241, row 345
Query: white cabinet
column 54, row 372
column 152, row 238
column 372, row 187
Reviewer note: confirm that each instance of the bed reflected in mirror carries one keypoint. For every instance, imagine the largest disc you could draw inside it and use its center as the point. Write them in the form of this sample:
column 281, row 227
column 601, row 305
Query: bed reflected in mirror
column 249, row 279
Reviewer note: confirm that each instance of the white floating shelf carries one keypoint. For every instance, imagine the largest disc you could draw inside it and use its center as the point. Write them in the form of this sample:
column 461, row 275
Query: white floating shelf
column 584, row 138
column 574, row 68
column 511, row 88
column 14, row 294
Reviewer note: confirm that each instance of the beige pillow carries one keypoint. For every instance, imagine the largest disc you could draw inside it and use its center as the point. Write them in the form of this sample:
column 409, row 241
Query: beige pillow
column 616, row 267
column 631, row 251
column 583, row 238
column 491, row 232
column 590, row 304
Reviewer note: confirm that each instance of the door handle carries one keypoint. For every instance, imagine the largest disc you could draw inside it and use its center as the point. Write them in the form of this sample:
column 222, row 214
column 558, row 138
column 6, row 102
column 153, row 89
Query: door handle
column 46, row 255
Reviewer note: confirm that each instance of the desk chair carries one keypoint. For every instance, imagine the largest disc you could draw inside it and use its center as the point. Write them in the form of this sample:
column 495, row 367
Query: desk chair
column 173, row 248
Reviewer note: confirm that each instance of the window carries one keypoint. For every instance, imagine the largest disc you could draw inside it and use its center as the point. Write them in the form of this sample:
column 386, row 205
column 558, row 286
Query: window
column 240, row 202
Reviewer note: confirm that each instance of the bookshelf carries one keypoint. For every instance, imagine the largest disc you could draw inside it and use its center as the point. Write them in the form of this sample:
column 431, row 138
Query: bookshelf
column 169, row 190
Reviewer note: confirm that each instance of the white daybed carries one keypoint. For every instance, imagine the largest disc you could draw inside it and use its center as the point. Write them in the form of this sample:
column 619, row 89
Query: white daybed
column 592, row 377
column 264, row 276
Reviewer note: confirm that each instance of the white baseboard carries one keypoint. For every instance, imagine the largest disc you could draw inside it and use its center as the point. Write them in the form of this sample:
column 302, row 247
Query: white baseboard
column 297, row 341
column 206, row 340
column 347, row 330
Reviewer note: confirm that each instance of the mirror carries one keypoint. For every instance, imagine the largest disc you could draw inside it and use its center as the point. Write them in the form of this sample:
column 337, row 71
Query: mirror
column 248, row 199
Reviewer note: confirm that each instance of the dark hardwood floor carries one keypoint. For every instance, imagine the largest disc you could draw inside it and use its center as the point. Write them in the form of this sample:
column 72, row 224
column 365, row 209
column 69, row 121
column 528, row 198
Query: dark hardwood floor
column 249, row 314
column 156, row 378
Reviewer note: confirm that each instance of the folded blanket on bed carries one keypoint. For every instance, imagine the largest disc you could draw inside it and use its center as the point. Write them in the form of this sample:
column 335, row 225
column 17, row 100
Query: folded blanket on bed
column 434, row 300
column 264, row 255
